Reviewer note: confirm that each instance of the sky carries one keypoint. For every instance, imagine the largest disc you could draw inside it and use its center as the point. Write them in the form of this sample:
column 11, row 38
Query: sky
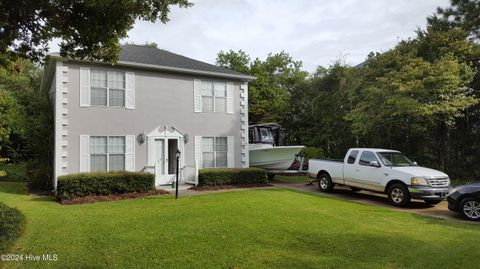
column 317, row 32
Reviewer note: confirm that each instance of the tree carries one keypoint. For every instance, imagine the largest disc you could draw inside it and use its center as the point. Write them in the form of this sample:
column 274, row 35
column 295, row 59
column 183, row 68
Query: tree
column 270, row 93
column 87, row 29
column 464, row 14
column 152, row 45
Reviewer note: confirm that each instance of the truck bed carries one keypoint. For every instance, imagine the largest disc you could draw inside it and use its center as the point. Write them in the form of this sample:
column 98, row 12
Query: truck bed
column 333, row 166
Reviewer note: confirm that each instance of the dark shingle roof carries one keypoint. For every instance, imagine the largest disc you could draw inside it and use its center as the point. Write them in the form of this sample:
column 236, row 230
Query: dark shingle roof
column 158, row 57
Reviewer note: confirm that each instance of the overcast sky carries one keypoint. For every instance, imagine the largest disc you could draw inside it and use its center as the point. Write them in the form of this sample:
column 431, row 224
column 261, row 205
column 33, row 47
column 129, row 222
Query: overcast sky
column 315, row 32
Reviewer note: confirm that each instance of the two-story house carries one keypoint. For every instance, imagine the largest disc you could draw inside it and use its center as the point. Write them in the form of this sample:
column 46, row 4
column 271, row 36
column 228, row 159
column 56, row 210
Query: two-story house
column 135, row 114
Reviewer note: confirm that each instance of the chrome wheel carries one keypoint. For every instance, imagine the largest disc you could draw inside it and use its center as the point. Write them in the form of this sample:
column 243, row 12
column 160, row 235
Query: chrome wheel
column 471, row 209
column 397, row 195
column 324, row 183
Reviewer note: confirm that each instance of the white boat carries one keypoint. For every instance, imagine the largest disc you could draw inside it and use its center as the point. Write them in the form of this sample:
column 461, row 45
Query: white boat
column 265, row 151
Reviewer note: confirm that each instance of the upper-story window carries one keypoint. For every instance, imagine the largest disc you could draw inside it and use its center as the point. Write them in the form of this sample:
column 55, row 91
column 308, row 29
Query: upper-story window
column 107, row 88
column 214, row 96
column 210, row 96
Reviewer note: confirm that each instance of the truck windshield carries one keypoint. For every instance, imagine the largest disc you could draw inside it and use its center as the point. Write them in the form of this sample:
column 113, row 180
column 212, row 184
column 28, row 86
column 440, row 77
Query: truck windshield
column 394, row 159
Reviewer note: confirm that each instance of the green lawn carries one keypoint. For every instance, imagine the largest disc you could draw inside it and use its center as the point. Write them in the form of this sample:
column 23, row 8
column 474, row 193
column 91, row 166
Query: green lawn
column 272, row 228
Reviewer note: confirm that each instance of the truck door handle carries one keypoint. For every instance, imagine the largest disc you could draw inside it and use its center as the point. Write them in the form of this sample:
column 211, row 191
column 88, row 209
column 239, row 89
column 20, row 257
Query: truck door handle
column 357, row 170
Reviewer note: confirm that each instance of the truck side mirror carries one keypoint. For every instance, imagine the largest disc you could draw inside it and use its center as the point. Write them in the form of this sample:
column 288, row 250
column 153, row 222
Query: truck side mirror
column 415, row 163
column 374, row 164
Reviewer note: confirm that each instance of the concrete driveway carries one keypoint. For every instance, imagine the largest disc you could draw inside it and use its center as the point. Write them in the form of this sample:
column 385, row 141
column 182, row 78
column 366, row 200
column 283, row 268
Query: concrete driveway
column 376, row 199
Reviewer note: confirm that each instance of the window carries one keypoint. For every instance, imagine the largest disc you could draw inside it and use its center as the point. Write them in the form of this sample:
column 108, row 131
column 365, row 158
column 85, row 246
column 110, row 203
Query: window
column 392, row 158
column 214, row 97
column 367, row 157
column 214, row 152
column 107, row 88
column 352, row 157
column 107, row 153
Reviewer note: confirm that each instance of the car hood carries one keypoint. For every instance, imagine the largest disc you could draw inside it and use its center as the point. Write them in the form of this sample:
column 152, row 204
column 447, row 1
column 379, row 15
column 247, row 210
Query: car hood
column 418, row 171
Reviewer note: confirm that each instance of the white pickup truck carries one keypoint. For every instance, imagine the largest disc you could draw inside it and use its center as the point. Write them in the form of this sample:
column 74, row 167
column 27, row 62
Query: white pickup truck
column 382, row 170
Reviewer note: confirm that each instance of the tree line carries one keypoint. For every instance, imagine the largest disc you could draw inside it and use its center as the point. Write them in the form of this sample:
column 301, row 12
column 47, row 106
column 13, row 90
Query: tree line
column 421, row 97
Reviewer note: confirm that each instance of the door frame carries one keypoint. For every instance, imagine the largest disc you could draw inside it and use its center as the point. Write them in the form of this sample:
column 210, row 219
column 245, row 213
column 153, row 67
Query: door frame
column 165, row 133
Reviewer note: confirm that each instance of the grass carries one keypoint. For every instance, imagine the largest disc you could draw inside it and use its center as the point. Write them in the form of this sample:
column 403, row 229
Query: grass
column 270, row 228
column 15, row 172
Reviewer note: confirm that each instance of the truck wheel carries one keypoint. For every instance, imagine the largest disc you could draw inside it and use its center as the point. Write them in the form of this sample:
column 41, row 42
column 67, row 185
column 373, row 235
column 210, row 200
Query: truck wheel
column 470, row 208
column 325, row 183
column 398, row 195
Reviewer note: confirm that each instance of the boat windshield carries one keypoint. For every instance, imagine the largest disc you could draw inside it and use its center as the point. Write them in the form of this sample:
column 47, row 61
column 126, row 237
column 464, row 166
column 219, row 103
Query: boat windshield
column 394, row 159
column 265, row 135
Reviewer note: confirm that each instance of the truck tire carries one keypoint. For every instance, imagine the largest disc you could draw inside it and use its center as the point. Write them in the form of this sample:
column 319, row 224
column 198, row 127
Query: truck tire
column 325, row 183
column 398, row 195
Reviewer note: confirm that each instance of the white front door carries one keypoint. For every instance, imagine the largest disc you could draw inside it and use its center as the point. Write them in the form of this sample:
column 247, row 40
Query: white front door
column 165, row 165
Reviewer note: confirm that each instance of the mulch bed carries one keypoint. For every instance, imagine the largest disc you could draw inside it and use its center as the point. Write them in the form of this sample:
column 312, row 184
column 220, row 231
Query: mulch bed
column 235, row 186
column 104, row 198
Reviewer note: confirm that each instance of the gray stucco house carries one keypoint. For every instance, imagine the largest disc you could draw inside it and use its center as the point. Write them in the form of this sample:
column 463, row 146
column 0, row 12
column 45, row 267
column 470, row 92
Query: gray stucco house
column 135, row 114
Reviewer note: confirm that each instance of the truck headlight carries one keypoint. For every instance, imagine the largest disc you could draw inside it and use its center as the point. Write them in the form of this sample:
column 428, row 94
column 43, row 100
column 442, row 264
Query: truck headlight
column 419, row 181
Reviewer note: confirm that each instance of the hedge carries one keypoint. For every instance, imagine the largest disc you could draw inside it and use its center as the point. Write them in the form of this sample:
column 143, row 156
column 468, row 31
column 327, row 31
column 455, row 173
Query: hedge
column 103, row 183
column 12, row 222
column 222, row 176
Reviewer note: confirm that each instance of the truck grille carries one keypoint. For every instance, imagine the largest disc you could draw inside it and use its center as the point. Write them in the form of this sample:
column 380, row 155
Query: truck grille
column 439, row 182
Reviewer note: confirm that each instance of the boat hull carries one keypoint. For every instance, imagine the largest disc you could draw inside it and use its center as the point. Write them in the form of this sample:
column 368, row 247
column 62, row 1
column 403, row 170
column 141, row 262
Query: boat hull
column 274, row 158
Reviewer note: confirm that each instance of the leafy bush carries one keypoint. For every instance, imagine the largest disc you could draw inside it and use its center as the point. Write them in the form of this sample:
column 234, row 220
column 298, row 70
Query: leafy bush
column 307, row 153
column 12, row 222
column 222, row 176
column 14, row 172
column 312, row 153
column 103, row 183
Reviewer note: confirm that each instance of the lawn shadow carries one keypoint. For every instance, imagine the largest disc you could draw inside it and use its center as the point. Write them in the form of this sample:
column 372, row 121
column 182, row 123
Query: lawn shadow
column 359, row 250
column 455, row 220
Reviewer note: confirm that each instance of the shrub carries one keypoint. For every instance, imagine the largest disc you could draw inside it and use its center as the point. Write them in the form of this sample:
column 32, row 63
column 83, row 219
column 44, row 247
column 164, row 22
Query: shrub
column 222, row 176
column 312, row 153
column 103, row 183
column 12, row 222
column 14, row 172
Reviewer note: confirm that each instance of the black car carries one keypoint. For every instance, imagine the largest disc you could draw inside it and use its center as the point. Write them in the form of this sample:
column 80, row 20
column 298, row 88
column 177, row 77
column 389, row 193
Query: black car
column 466, row 201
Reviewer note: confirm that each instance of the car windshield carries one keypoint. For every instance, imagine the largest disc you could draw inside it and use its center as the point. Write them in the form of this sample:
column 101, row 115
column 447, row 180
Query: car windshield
column 394, row 159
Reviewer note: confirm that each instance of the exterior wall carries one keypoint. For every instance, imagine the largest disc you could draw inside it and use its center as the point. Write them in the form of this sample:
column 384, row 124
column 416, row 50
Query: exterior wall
column 161, row 99
column 59, row 91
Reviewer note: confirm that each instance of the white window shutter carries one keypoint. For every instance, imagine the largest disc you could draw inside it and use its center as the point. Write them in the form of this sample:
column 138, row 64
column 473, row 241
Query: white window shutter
column 198, row 150
column 84, row 87
column 230, row 98
column 84, row 153
column 130, row 153
column 197, row 95
column 230, row 151
column 130, row 90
